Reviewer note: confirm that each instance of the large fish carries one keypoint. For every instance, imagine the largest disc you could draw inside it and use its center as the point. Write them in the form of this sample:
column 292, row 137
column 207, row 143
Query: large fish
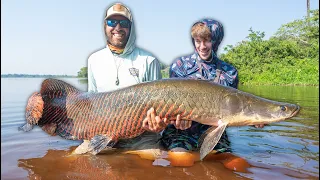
column 105, row 118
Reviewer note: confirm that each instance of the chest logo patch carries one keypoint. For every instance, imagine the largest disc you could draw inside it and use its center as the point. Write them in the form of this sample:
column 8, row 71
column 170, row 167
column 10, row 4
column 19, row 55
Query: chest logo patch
column 134, row 72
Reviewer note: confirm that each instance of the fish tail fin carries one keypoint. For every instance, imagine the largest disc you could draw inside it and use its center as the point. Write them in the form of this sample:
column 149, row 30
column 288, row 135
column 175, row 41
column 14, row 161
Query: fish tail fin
column 34, row 108
column 210, row 139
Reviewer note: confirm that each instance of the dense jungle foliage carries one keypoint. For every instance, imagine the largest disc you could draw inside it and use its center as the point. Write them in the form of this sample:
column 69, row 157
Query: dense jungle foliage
column 290, row 56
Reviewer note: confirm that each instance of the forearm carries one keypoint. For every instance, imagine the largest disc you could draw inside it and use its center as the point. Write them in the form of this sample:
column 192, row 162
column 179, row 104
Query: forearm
column 154, row 71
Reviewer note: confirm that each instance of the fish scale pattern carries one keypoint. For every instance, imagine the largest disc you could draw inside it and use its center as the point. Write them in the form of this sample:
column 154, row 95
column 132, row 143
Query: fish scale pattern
column 117, row 114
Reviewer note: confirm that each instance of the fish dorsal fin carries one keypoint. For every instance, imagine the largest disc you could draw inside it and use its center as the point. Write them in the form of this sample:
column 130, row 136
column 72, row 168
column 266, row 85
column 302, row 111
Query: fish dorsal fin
column 55, row 86
column 210, row 139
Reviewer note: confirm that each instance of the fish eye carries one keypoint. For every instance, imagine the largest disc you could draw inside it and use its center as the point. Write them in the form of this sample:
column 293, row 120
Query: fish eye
column 283, row 108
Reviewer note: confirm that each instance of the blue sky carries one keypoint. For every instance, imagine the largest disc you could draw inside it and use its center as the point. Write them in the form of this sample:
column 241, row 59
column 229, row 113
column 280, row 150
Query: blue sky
column 57, row 37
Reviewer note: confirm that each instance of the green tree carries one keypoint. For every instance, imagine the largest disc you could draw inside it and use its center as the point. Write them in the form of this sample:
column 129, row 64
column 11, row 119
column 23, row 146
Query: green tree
column 83, row 72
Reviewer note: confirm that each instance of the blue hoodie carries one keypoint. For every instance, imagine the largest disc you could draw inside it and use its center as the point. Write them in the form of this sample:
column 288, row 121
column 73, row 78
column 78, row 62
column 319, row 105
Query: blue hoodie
column 187, row 66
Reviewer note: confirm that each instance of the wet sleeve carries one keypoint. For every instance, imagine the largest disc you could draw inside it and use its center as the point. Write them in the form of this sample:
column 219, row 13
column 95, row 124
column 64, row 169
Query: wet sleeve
column 154, row 71
column 236, row 81
column 175, row 69
column 92, row 87
column 233, row 78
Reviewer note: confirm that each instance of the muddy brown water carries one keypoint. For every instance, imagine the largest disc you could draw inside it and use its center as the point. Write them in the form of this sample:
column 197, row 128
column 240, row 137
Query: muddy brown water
column 285, row 150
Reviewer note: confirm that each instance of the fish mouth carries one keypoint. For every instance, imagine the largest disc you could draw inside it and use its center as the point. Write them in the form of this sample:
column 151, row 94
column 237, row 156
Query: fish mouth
column 295, row 112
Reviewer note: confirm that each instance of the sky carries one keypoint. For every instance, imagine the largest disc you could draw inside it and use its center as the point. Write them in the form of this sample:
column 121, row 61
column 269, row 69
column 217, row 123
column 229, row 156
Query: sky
column 57, row 37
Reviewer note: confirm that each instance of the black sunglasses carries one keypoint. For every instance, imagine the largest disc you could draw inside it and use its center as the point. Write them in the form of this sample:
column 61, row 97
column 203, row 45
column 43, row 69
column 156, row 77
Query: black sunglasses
column 123, row 23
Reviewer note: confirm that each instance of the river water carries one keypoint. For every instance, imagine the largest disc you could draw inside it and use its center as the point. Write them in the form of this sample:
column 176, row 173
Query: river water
column 284, row 150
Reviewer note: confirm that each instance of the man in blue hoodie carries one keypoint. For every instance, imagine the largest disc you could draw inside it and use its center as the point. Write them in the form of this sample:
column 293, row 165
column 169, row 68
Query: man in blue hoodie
column 202, row 64
column 206, row 35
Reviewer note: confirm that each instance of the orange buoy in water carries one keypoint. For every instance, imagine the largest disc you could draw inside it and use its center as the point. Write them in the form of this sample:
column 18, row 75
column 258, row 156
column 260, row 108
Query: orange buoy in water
column 182, row 158
column 230, row 161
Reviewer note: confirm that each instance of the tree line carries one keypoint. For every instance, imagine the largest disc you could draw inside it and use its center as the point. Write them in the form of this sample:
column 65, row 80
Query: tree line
column 290, row 56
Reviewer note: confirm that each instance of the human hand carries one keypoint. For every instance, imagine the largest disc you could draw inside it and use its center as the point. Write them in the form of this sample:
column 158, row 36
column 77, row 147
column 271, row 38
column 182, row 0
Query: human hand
column 154, row 123
column 181, row 124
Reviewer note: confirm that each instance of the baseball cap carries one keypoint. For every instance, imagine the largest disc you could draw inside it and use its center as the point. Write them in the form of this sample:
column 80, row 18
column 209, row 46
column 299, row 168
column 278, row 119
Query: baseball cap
column 118, row 9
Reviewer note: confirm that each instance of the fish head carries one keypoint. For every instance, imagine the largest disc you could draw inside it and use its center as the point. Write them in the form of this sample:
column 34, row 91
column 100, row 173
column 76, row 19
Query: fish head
column 247, row 109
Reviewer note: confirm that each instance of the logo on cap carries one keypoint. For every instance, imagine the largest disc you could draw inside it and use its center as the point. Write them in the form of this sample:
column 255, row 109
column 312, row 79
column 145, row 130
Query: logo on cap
column 118, row 7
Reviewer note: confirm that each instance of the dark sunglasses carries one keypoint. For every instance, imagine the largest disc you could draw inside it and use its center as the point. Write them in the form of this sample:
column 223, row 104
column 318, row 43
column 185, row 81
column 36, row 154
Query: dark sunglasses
column 123, row 23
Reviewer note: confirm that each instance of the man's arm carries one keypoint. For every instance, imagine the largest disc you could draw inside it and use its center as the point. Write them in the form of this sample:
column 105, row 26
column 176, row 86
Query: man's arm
column 236, row 79
column 154, row 71
column 176, row 70
column 92, row 87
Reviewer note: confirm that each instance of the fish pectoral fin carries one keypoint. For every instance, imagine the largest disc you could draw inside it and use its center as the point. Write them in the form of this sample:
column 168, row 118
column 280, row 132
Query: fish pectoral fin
column 100, row 142
column 50, row 128
column 26, row 127
column 82, row 148
column 210, row 139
